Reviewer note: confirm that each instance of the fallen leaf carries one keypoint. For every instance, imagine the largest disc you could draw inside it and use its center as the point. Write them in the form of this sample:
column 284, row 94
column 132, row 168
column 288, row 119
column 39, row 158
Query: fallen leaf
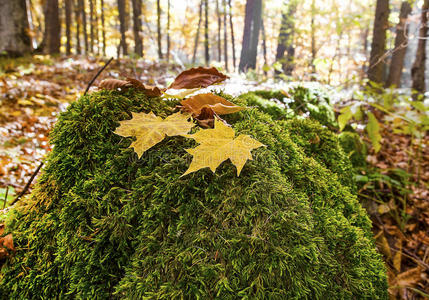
column 200, row 77
column 409, row 278
column 397, row 258
column 113, row 84
column 149, row 90
column 6, row 244
column 150, row 129
column 219, row 144
column 218, row 104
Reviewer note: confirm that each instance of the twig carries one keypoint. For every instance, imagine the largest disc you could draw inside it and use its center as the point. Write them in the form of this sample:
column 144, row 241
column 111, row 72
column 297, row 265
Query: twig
column 5, row 197
column 27, row 186
column 96, row 75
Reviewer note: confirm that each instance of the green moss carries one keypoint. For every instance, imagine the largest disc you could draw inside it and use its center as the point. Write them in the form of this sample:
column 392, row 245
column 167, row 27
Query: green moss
column 354, row 147
column 105, row 224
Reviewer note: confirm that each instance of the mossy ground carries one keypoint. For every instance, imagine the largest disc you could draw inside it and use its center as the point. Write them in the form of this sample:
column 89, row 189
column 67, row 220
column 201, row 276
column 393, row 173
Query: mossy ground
column 104, row 224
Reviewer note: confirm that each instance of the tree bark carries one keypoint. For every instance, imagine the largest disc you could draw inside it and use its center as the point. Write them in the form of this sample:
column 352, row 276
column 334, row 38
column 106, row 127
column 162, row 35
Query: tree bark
column 376, row 62
column 84, row 26
column 91, row 25
column 206, row 33
column 285, row 40
column 122, row 26
column 51, row 40
column 168, row 31
column 264, row 44
column 313, row 36
column 401, row 42
column 418, row 69
column 234, row 60
column 197, row 35
column 78, row 20
column 103, row 29
column 68, row 15
column 252, row 26
column 14, row 38
column 225, row 36
column 137, row 27
column 158, row 22
column 219, row 26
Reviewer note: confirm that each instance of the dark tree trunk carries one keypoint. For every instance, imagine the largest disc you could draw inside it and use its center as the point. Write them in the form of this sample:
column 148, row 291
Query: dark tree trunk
column 285, row 41
column 14, row 38
column 122, row 26
column 206, row 32
column 68, row 15
column 234, row 60
column 51, row 40
column 219, row 26
column 103, row 29
column 97, row 26
column 168, row 31
column 197, row 36
column 401, row 42
column 78, row 19
column 252, row 26
column 84, row 26
column 137, row 27
column 91, row 25
column 225, row 35
column 158, row 23
column 264, row 45
column 376, row 62
column 418, row 69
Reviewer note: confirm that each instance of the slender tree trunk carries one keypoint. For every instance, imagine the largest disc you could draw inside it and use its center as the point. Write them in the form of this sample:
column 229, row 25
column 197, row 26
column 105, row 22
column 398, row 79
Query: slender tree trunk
column 418, row 69
column 401, row 43
column 376, row 62
column 103, row 29
column 14, row 37
column 97, row 26
column 264, row 44
column 197, row 36
column 168, row 31
column 52, row 27
column 84, row 26
column 68, row 16
column 158, row 22
column 252, row 26
column 206, row 32
column 137, row 27
column 313, row 36
column 78, row 21
column 91, row 25
column 219, row 26
column 225, row 35
column 285, row 40
column 122, row 26
column 234, row 60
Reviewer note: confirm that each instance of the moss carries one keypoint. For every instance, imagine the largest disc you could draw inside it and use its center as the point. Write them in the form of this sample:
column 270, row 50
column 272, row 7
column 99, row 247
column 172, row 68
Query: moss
column 105, row 224
column 354, row 147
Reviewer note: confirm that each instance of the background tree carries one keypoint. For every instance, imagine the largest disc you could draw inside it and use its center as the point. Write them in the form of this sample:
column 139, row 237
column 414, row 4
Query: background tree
column 14, row 38
column 197, row 35
column 51, row 40
column 285, row 39
column 158, row 23
column 234, row 64
column 137, row 27
column 225, row 35
column 418, row 69
column 103, row 28
column 68, row 6
column 381, row 23
column 78, row 20
column 122, row 27
column 168, row 31
column 91, row 25
column 206, row 32
column 84, row 25
column 252, row 25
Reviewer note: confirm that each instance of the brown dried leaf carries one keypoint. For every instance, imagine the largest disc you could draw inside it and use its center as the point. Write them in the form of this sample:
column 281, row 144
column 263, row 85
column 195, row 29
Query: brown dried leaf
column 218, row 104
column 200, row 77
column 397, row 258
column 113, row 84
column 149, row 90
column 6, row 243
column 409, row 278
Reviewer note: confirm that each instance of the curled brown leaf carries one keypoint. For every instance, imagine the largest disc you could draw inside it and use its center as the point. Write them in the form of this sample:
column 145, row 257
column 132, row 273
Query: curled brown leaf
column 200, row 77
column 218, row 104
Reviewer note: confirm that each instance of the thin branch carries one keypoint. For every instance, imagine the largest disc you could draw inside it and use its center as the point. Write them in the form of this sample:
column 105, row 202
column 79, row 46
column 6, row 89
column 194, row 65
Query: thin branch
column 5, row 197
column 27, row 186
column 96, row 75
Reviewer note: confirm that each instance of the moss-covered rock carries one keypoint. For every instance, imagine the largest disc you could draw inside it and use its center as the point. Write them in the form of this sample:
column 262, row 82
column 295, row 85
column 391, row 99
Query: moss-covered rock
column 104, row 224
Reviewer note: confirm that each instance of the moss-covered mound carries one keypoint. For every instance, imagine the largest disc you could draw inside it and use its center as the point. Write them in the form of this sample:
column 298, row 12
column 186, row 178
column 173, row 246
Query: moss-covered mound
column 104, row 224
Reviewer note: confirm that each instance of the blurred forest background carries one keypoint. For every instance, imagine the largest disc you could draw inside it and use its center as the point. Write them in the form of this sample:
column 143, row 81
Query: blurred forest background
column 366, row 58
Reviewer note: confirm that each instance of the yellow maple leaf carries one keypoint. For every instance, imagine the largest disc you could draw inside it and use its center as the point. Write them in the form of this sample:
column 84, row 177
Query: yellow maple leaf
column 219, row 144
column 150, row 129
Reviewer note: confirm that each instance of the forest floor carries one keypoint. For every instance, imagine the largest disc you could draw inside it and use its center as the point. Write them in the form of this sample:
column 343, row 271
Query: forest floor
column 33, row 91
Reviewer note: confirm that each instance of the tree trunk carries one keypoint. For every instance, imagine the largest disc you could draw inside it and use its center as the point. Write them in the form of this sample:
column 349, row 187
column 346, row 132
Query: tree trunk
column 219, row 26
column 206, row 32
column 84, row 27
column 14, row 38
column 225, row 36
column 252, row 26
column 313, row 36
column 264, row 45
column 122, row 27
column 97, row 26
column 197, row 36
column 158, row 20
column 168, row 31
column 376, row 62
column 91, row 25
column 418, row 69
column 103, row 29
column 68, row 16
column 401, row 42
column 51, row 40
column 234, row 60
column 285, row 40
column 78, row 18
column 137, row 27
